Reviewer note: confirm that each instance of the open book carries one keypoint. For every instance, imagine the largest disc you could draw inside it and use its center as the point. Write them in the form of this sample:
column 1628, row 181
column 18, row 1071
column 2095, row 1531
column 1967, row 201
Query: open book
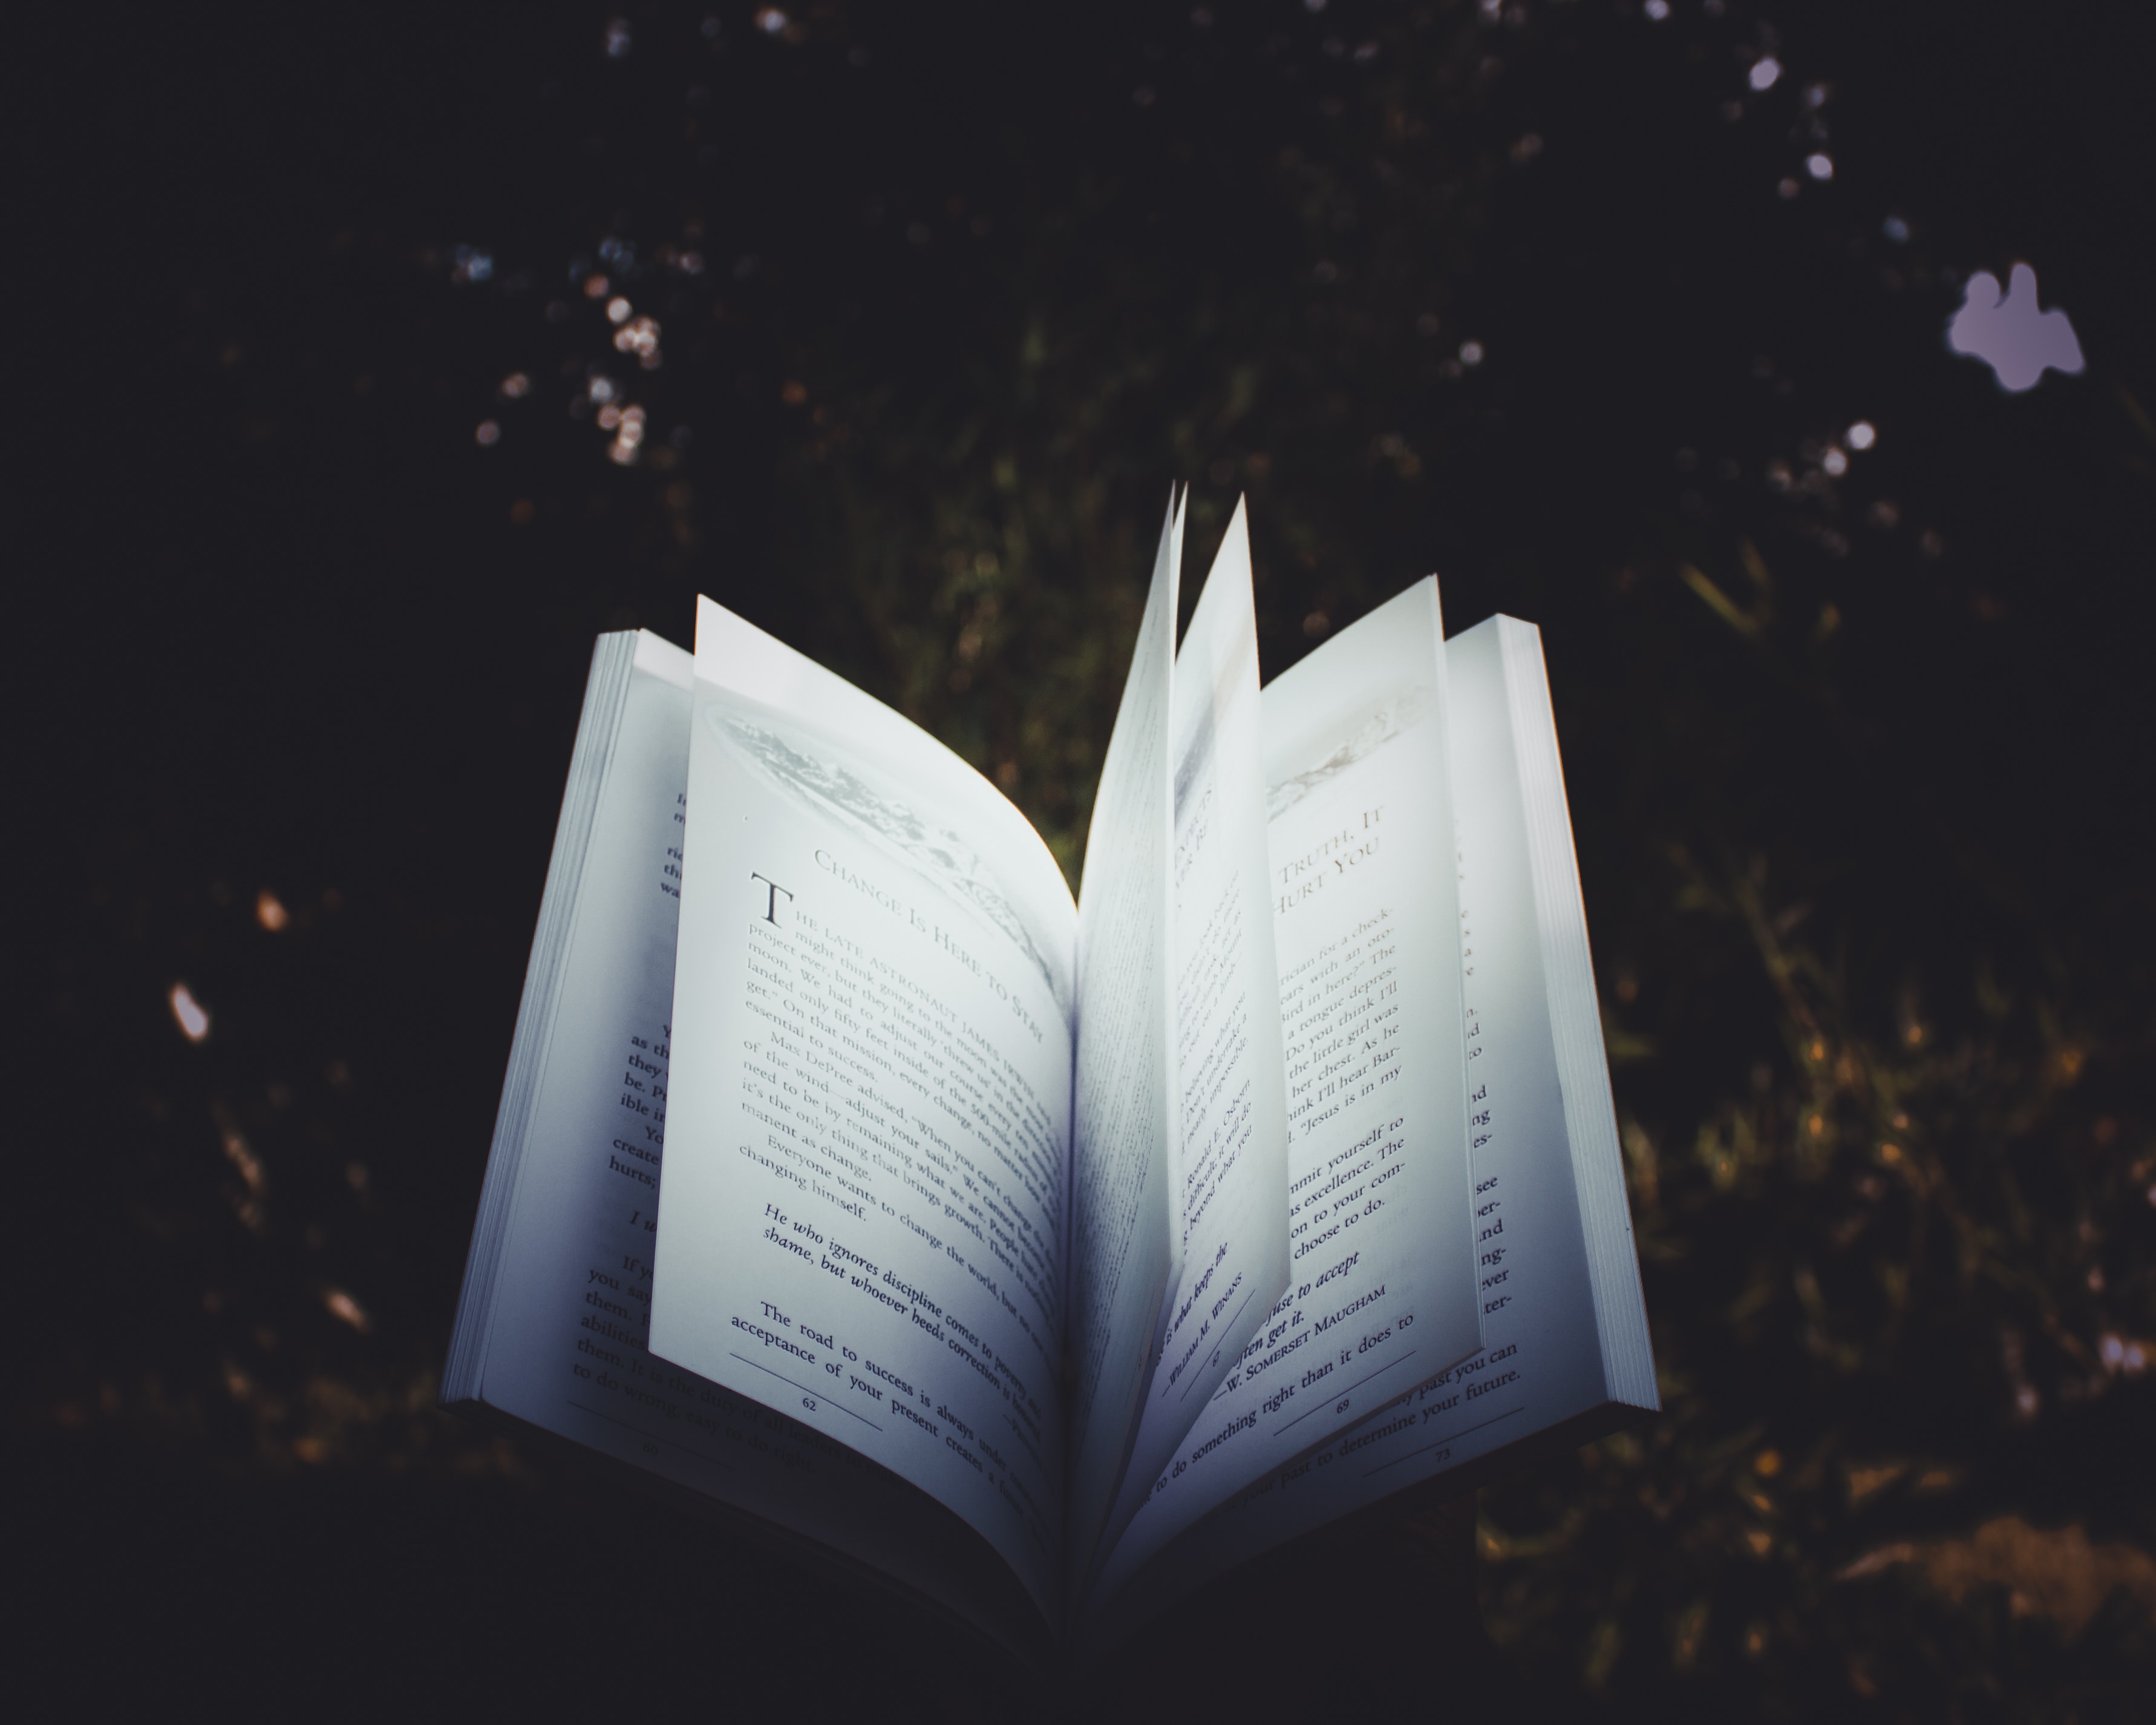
column 1047, row 1259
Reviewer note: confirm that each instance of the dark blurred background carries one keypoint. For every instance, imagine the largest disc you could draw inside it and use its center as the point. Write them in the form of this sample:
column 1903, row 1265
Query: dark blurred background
column 367, row 361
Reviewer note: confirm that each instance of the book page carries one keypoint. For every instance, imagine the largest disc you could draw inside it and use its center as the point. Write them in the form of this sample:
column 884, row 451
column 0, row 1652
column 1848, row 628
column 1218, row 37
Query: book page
column 1123, row 1237
column 1583, row 1062
column 1363, row 903
column 1541, row 1365
column 1228, row 1192
column 861, row 1223
column 564, row 1347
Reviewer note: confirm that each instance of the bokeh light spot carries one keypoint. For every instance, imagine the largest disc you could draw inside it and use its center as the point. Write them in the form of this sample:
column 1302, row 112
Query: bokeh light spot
column 2008, row 332
column 188, row 1012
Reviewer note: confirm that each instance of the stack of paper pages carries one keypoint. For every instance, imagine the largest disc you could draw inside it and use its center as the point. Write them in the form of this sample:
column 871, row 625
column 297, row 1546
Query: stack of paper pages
column 851, row 1178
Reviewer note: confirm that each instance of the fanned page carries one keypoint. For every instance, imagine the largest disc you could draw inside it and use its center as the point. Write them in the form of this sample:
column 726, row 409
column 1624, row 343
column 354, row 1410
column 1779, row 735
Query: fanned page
column 1123, row 1236
column 1542, row 1375
column 562, row 1340
column 1228, row 1190
column 1364, row 916
column 861, row 1223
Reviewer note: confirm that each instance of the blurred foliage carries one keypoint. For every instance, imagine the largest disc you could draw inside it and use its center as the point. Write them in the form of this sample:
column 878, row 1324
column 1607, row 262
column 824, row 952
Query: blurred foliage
column 941, row 303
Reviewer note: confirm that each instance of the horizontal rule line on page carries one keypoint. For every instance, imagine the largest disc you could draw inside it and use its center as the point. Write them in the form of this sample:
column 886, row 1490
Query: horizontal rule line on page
column 818, row 1396
column 1229, row 1325
column 1334, row 1398
column 1450, row 1437
column 672, row 1443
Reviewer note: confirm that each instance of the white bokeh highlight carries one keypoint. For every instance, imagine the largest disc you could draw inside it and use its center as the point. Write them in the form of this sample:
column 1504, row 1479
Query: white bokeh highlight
column 2009, row 333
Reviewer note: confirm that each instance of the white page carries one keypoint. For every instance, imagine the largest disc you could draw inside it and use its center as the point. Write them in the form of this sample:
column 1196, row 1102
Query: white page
column 1229, row 1203
column 1365, row 914
column 1541, row 1366
column 1123, row 1250
column 1583, row 1063
column 565, row 1348
column 862, row 1222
